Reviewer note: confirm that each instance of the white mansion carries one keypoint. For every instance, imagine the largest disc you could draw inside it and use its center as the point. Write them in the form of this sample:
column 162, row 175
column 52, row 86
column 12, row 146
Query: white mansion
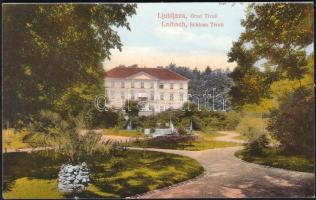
column 159, row 88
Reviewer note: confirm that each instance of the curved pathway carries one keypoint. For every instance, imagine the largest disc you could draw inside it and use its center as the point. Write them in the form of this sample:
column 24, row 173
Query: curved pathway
column 227, row 176
column 229, row 137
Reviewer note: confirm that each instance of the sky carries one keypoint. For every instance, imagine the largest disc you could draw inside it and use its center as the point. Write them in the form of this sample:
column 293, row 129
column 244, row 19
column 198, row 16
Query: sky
column 150, row 44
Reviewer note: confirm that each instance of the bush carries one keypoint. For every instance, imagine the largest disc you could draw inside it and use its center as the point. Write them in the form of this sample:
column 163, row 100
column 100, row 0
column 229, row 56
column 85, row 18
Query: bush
column 148, row 121
column 94, row 119
column 232, row 120
column 257, row 145
column 181, row 131
column 250, row 127
column 173, row 139
column 198, row 124
column 66, row 138
column 293, row 123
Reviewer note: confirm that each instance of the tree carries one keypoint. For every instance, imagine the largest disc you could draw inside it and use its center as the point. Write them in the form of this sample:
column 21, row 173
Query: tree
column 53, row 54
column 293, row 123
column 276, row 34
column 132, row 108
column 202, row 83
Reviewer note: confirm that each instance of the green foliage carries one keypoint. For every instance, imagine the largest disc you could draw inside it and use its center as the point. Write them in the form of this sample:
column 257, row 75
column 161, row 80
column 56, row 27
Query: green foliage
column 203, row 82
column 67, row 138
column 293, row 123
column 95, row 119
column 132, row 108
column 277, row 35
column 53, row 55
column 250, row 127
column 199, row 141
column 250, row 85
column 35, row 175
column 275, row 158
column 181, row 131
column 232, row 120
column 148, row 121
column 198, row 124
column 14, row 140
column 257, row 145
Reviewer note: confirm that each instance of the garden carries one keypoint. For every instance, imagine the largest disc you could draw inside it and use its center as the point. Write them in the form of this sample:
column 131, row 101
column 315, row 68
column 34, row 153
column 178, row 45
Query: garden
column 120, row 174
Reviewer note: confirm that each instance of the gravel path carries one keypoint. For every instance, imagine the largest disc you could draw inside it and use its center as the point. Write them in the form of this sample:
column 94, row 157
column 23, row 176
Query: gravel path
column 229, row 137
column 227, row 176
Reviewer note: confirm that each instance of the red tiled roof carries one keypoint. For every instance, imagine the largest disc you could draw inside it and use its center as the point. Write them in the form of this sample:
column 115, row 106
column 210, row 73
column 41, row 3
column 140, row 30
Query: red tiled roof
column 160, row 73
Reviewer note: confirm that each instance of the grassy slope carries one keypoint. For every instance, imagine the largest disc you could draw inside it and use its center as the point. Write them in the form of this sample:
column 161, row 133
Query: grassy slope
column 126, row 174
column 272, row 157
column 204, row 141
column 11, row 140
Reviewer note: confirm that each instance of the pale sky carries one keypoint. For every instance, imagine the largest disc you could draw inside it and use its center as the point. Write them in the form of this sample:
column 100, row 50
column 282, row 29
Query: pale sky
column 150, row 44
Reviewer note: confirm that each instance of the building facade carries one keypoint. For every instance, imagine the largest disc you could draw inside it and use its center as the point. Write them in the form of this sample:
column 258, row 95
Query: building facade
column 157, row 88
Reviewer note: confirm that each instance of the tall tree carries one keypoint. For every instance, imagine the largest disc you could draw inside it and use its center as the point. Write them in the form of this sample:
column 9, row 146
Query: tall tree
column 276, row 34
column 53, row 53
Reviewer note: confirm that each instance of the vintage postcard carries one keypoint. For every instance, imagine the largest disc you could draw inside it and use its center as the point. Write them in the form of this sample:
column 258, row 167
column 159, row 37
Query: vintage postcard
column 158, row 100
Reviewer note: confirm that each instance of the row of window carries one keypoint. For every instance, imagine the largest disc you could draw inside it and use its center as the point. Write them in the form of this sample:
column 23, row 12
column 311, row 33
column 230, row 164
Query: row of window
column 152, row 96
column 152, row 108
column 142, row 84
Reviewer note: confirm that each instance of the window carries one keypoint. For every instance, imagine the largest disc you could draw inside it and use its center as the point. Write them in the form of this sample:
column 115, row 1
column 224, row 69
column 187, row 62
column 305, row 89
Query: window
column 161, row 85
column 122, row 84
column 181, row 96
column 161, row 108
column 132, row 84
column 112, row 94
column 171, row 85
column 181, row 86
column 151, row 85
column 152, row 95
column 171, row 96
column 112, row 84
column 151, row 107
column 142, row 84
column 132, row 95
column 122, row 95
column 161, row 96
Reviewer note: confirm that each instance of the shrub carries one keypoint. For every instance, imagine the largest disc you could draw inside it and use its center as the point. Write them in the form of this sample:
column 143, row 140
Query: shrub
column 257, row 145
column 94, row 119
column 173, row 139
column 232, row 120
column 181, row 131
column 66, row 138
column 293, row 123
column 250, row 127
column 198, row 124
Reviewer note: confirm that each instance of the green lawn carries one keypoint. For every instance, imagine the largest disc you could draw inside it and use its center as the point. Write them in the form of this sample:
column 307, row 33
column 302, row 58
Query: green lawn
column 127, row 133
column 203, row 142
column 126, row 174
column 13, row 140
column 274, row 158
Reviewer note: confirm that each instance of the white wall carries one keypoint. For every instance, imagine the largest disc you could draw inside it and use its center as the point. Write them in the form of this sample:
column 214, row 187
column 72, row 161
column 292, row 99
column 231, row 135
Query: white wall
column 117, row 101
